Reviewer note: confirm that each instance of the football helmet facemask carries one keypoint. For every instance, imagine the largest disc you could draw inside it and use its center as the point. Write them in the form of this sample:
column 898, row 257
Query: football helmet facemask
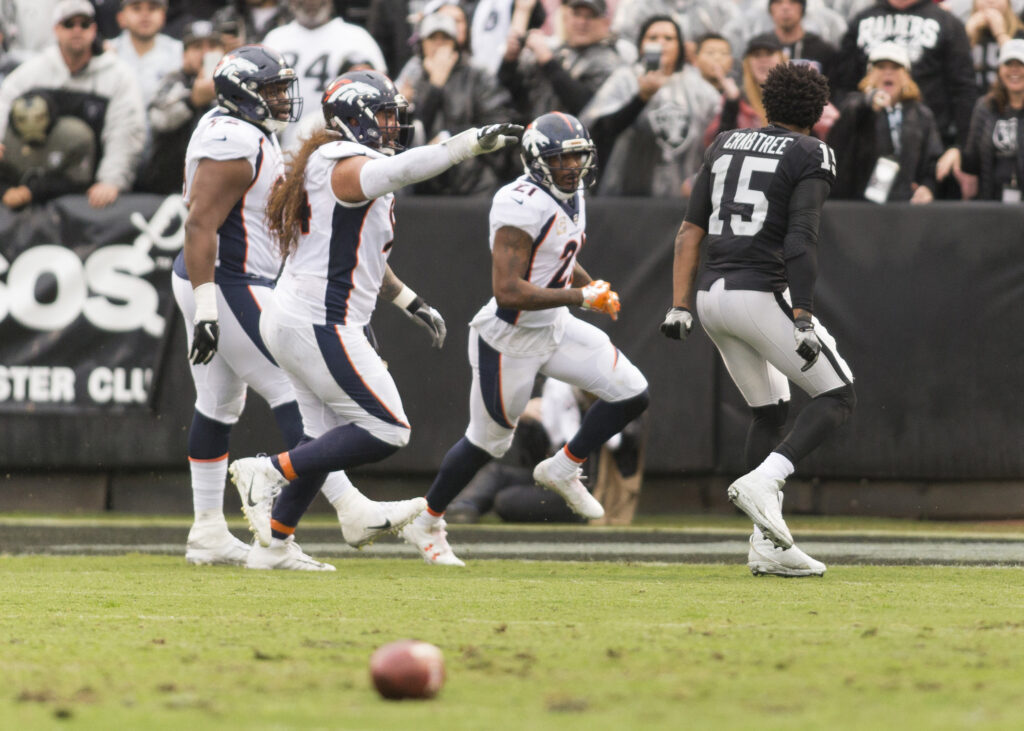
column 546, row 140
column 256, row 84
column 352, row 102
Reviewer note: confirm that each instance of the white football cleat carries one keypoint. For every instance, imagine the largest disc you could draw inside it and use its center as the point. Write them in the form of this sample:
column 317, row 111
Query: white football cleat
column 283, row 554
column 571, row 488
column 211, row 543
column 258, row 483
column 432, row 543
column 758, row 497
column 764, row 558
column 363, row 525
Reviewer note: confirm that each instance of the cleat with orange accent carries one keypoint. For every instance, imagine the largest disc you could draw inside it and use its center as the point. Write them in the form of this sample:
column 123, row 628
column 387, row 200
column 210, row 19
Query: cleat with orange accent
column 432, row 543
column 258, row 483
column 570, row 488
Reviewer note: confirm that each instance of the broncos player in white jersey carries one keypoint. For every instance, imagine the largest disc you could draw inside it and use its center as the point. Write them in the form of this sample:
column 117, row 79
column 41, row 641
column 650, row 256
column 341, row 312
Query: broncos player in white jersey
column 222, row 280
column 537, row 229
column 757, row 202
column 333, row 216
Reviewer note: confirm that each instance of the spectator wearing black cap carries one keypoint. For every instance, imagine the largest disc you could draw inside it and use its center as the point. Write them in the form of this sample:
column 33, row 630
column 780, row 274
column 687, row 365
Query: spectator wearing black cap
column 648, row 118
column 183, row 97
column 543, row 77
column 885, row 140
column 101, row 89
column 798, row 45
column 995, row 145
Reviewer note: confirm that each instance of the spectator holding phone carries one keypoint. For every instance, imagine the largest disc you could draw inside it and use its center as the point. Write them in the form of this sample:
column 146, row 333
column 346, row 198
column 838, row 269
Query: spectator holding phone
column 648, row 119
column 183, row 97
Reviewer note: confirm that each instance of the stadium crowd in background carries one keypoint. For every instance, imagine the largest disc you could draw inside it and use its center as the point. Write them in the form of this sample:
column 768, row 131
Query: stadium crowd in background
column 582, row 57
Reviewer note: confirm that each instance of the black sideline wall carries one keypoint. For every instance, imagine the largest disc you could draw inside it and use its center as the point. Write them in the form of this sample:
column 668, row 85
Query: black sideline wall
column 926, row 303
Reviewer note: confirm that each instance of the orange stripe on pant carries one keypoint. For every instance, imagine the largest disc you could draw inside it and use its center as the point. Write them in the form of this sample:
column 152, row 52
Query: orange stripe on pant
column 286, row 466
column 281, row 527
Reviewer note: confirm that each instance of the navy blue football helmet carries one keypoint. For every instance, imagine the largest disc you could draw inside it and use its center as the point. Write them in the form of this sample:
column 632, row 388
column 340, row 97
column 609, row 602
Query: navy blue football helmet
column 256, row 84
column 549, row 137
column 351, row 103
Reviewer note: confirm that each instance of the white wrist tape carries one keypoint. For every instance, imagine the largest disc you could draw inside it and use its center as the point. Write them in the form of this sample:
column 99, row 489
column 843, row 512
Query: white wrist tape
column 205, row 296
column 384, row 175
column 404, row 298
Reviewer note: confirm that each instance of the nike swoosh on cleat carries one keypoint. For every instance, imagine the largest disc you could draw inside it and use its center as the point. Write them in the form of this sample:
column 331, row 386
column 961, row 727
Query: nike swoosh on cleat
column 385, row 526
column 248, row 497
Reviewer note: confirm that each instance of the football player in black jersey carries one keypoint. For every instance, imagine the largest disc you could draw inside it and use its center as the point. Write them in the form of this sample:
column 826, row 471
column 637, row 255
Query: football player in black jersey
column 756, row 204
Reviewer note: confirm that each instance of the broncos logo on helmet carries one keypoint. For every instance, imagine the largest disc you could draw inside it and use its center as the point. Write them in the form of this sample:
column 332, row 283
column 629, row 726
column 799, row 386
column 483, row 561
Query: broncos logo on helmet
column 351, row 104
column 256, row 84
column 550, row 137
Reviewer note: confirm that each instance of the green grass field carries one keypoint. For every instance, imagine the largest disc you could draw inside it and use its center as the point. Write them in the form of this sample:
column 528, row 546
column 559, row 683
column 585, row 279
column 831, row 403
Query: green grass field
column 146, row 642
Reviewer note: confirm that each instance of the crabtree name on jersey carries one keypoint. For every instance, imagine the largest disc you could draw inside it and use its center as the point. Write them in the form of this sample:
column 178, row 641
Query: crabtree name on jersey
column 757, row 142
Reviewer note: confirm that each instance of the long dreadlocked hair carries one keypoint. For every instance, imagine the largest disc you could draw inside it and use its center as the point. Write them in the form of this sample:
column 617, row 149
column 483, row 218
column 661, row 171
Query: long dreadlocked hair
column 288, row 208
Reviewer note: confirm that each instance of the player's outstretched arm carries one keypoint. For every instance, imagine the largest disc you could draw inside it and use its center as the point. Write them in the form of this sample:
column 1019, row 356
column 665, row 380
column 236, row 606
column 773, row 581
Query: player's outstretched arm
column 358, row 179
column 216, row 188
column 401, row 296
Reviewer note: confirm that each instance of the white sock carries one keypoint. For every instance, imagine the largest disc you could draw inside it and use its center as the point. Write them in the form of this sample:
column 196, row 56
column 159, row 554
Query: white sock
column 776, row 467
column 426, row 520
column 208, row 479
column 340, row 491
column 562, row 465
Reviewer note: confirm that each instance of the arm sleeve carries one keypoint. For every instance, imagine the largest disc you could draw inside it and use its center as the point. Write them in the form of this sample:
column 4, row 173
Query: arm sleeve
column 800, row 247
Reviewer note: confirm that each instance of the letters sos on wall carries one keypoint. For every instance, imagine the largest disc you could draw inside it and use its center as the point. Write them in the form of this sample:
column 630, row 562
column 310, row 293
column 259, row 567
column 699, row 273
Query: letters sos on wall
column 82, row 320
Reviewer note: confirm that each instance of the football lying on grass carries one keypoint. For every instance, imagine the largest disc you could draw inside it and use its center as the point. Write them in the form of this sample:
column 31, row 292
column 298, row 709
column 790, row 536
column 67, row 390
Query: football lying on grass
column 407, row 669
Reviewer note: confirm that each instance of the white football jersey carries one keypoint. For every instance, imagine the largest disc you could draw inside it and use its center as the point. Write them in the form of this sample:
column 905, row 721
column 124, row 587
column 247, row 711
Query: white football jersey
column 335, row 272
column 557, row 229
column 318, row 56
column 244, row 245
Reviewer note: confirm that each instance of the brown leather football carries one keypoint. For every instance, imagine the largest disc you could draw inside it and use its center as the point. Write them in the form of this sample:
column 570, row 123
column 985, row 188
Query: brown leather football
column 407, row 669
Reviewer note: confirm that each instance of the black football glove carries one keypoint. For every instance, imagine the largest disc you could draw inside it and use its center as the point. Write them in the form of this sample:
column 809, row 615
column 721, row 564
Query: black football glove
column 204, row 342
column 807, row 344
column 496, row 136
column 678, row 323
column 429, row 319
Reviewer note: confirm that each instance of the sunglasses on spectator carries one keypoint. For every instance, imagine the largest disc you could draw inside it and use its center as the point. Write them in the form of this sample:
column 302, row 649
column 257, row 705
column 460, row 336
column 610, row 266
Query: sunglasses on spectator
column 77, row 23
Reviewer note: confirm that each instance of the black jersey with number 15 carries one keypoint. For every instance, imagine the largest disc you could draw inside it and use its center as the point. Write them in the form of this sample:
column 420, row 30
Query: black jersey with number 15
column 743, row 203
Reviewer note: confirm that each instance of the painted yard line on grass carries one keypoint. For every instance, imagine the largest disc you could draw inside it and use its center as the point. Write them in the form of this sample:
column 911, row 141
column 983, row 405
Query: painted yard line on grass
column 841, row 552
